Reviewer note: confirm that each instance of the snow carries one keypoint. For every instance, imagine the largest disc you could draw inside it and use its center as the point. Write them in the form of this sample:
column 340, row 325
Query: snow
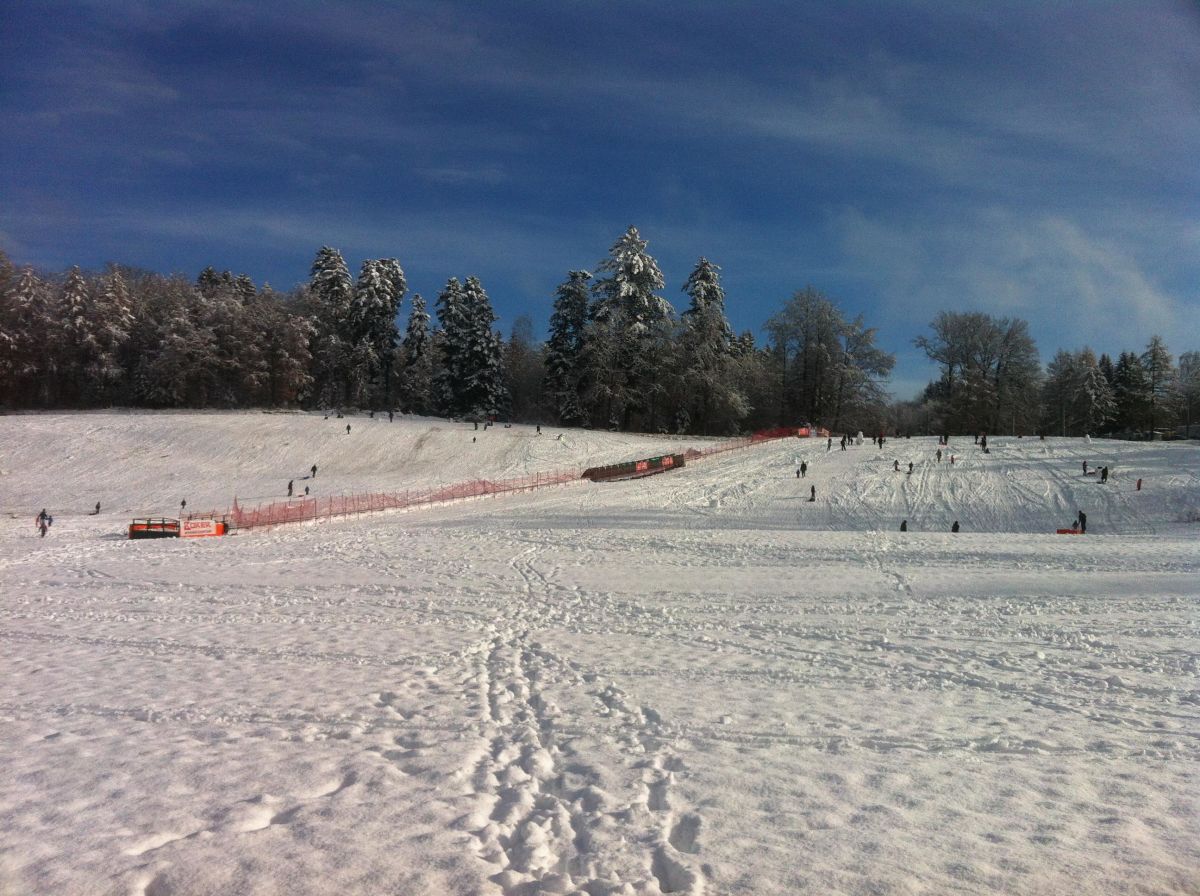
column 694, row 683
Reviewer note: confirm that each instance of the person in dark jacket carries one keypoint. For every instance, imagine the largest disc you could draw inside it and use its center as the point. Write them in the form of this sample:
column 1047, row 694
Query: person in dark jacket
column 1082, row 523
column 954, row 528
column 1104, row 474
column 812, row 494
column 904, row 526
column 314, row 471
column 289, row 488
column 803, row 468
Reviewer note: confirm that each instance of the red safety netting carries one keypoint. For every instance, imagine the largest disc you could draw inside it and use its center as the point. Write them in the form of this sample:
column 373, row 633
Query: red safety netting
column 299, row 510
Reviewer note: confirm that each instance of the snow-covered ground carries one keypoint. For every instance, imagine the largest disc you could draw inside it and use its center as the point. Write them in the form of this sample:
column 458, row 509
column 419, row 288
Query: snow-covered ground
column 696, row 683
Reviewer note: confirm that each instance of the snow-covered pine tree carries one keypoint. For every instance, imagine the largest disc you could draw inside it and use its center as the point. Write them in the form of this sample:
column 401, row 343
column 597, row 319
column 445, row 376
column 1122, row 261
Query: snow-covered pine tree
column 483, row 390
column 564, row 348
column 712, row 400
column 331, row 292
column 640, row 322
column 1095, row 403
column 1160, row 383
column 377, row 298
column 112, row 322
column 73, row 344
column 415, row 360
column 1059, row 388
column 1132, row 390
column 450, row 369
column 28, row 319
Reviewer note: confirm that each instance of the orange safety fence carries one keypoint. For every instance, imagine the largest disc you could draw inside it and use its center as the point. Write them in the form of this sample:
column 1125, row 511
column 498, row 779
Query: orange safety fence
column 306, row 509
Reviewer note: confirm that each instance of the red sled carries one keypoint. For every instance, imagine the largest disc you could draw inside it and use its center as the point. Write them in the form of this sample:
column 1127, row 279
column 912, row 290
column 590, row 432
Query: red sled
column 1068, row 532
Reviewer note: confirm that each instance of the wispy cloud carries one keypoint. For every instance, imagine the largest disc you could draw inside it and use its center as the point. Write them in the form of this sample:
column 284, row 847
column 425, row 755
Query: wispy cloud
column 1076, row 287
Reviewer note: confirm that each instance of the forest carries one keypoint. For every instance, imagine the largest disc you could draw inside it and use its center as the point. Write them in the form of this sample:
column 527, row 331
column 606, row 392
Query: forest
column 617, row 355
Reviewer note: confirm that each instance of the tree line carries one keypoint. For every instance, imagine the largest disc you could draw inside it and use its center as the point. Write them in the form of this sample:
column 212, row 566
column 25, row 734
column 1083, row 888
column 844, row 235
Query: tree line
column 617, row 354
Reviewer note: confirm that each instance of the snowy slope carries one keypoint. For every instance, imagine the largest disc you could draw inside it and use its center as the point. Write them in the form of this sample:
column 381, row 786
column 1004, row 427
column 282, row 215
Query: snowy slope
column 695, row 683
column 144, row 464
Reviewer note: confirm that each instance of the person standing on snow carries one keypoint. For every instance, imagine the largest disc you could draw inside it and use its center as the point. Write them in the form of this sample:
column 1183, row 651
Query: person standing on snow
column 954, row 528
column 939, row 455
column 803, row 468
column 289, row 488
column 812, row 494
column 1103, row 474
column 314, row 471
column 904, row 526
column 1082, row 523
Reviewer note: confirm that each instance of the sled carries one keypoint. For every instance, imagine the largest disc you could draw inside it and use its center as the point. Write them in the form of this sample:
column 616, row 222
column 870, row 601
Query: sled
column 1068, row 532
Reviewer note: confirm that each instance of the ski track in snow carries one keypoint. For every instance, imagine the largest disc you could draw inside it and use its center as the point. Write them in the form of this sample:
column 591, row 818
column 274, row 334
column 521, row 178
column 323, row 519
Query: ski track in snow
column 696, row 683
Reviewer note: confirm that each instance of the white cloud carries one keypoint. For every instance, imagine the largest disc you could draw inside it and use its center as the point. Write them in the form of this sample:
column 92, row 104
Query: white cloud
column 1075, row 286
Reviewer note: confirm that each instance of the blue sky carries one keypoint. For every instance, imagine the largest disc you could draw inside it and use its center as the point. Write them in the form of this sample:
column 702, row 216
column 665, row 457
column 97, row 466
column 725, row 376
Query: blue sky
column 1038, row 160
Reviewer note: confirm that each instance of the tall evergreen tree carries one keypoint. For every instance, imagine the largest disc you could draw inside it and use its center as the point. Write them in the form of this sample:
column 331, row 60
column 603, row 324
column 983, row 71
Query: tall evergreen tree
column 483, row 391
column 332, row 295
column 1160, row 383
column 1131, row 390
column 450, row 372
column 416, row 361
column 74, row 344
column 564, row 348
column 113, row 320
column 711, row 398
column 638, row 323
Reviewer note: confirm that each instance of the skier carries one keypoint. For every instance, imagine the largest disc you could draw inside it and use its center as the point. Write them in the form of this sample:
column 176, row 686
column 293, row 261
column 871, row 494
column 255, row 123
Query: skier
column 289, row 488
column 954, row 528
column 1082, row 523
column 843, row 443
column 306, row 491
column 812, row 494
column 910, row 465
column 182, row 505
column 347, row 429
column 904, row 526
column 829, row 444
column 939, row 455
column 97, row 513
column 1104, row 474
column 314, row 471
